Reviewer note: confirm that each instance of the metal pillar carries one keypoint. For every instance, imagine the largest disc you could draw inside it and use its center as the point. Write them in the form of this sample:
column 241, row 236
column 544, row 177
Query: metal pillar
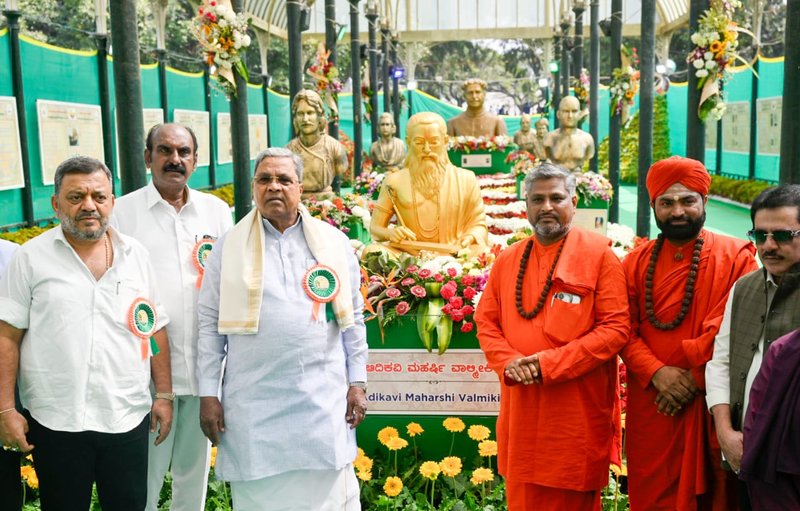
column 577, row 49
column 128, row 94
column 12, row 16
column 372, row 22
column 615, row 121
column 646, row 111
column 387, row 107
column 265, row 91
column 101, row 40
column 695, row 128
column 331, row 33
column 161, row 56
column 556, row 81
column 395, row 84
column 212, row 150
column 355, row 58
column 751, row 170
column 565, row 60
column 790, row 134
column 295, row 51
column 594, row 80
column 240, row 138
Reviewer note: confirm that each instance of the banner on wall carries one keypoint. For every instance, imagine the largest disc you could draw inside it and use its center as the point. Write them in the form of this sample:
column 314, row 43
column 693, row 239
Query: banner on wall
column 199, row 122
column 11, row 175
column 768, row 114
column 65, row 130
column 224, row 142
column 150, row 117
column 736, row 127
column 258, row 134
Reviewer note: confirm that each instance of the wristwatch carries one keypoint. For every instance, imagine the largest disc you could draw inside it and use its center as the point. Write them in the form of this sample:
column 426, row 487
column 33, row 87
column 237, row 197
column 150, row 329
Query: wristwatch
column 360, row 384
column 169, row 396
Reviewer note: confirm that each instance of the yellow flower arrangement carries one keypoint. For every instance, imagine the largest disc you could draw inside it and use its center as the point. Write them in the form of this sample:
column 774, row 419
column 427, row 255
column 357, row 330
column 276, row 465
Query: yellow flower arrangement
column 430, row 470
column 451, row 466
column 396, row 443
column 454, row 425
column 487, row 448
column 363, row 464
column 414, row 429
column 29, row 475
column 393, row 486
column 482, row 475
column 386, row 433
column 364, row 476
column 478, row 432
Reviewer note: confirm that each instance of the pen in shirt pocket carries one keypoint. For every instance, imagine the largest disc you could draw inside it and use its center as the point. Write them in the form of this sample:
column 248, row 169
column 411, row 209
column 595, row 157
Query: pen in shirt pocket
column 565, row 297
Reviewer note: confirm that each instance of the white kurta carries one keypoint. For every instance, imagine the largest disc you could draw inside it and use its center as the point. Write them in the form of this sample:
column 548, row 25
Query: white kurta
column 284, row 390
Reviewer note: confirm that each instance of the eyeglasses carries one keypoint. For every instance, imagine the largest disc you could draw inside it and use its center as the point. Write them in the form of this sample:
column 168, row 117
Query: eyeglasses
column 284, row 181
column 780, row 236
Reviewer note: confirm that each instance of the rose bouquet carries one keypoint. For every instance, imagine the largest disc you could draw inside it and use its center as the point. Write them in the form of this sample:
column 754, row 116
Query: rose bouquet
column 222, row 33
column 593, row 186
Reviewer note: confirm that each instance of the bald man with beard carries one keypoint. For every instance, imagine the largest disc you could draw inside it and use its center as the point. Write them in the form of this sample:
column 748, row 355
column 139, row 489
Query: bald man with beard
column 435, row 202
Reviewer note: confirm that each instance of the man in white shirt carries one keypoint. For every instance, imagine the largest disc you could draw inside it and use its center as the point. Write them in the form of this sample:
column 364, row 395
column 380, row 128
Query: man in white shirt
column 762, row 307
column 280, row 303
column 82, row 326
column 10, row 489
column 178, row 226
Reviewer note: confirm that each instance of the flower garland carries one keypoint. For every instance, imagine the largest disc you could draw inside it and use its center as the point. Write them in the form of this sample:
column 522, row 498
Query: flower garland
column 469, row 144
column 624, row 83
column 716, row 41
column 222, row 34
column 326, row 81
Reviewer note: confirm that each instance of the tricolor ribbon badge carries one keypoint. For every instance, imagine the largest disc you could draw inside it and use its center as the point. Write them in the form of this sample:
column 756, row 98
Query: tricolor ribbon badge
column 200, row 252
column 321, row 284
column 142, row 322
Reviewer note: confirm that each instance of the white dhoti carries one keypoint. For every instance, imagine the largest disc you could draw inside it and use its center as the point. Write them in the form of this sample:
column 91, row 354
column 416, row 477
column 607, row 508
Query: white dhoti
column 299, row 490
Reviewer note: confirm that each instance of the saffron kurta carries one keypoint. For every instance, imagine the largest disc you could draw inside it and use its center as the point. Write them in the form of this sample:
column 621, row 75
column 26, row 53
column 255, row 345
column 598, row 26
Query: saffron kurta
column 558, row 433
column 674, row 462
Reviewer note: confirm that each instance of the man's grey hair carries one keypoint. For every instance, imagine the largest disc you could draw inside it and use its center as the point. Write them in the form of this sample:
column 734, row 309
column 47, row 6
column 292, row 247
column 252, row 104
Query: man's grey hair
column 282, row 152
column 549, row 170
column 80, row 165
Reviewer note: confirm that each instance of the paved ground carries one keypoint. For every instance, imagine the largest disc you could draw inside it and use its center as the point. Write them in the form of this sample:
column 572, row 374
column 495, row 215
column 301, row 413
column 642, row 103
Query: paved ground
column 721, row 217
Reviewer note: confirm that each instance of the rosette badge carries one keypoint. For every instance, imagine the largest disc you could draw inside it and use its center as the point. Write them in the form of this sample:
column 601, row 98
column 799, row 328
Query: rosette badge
column 142, row 322
column 321, row 284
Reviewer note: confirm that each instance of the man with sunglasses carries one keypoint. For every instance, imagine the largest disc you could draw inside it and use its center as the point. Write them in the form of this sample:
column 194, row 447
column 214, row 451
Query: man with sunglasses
column 762, row 307
column 677, row 288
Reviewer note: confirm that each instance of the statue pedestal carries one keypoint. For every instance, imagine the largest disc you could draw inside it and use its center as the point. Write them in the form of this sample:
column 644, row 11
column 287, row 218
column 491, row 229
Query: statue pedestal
column 481, row 161
column 409, row 384
column 592, row 216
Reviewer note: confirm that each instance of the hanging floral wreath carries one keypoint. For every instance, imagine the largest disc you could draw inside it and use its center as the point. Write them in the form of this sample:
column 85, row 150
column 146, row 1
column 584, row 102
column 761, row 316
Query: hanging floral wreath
column 624, row 83
column 326, row 81
column 716, row 41
column 222, row 34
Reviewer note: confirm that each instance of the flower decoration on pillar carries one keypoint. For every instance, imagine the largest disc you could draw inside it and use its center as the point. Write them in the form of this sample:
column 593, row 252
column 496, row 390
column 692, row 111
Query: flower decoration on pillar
column 222, row 34
column 624, row 83
column 716, row 41
column 366, row 91
column 326, row 81
column 580, row 86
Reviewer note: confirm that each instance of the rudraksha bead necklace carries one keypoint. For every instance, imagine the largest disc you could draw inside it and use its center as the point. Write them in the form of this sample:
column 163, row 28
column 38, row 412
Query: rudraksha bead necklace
column 523, row 265
column 688, row 292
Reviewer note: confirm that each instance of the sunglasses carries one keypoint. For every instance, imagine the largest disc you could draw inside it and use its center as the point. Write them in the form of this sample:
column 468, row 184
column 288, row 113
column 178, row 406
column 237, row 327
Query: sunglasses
column 780, row 236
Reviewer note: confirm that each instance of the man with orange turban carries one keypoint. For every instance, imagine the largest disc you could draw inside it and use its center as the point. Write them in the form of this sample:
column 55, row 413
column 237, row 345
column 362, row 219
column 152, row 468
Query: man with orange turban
column 677, row 288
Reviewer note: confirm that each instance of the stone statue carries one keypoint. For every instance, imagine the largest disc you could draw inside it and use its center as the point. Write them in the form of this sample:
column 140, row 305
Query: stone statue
column 323, row 156
column 542, row 127
column 438, row 206
column 568, row 145
column 476, row 121
column 388, row 152
column 525, row 138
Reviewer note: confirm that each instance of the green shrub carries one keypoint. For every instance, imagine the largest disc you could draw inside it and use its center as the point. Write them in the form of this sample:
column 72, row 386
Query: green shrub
column 22, row 235
column 223, row 192
column 739, row 190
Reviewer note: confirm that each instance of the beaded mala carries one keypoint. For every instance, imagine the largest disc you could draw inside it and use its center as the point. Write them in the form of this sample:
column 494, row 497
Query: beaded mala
column 523, row 265
column 688, row 293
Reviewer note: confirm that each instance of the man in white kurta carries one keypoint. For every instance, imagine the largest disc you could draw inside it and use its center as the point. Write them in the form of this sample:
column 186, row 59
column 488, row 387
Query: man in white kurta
column 178, row 226
column 295, row 379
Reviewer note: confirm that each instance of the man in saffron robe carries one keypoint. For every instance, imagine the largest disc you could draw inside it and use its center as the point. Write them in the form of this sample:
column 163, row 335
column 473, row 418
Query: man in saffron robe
column 553, row 340
column 677, row 289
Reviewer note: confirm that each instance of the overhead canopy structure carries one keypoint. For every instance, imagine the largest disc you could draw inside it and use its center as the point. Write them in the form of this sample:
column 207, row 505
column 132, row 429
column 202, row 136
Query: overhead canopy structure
column 450, row 20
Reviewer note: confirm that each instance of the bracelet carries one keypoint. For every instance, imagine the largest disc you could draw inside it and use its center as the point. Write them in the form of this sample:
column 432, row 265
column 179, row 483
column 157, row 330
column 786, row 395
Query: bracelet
column 7, row 410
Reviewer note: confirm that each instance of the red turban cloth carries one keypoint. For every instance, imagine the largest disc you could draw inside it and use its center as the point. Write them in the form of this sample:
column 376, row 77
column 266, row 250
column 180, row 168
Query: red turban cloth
column 690, row 173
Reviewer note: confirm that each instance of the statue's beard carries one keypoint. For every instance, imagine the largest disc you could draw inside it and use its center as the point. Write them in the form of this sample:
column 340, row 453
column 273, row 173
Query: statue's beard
column 426, row 175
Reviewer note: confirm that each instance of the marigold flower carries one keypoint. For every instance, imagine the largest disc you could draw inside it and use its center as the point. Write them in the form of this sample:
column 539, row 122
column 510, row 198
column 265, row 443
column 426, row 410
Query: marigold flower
column 386, row 433
column 454, row 425
column 487, row 448
column 430, row 470
column 393, row 486
column 451, row 466
column 364, row 476
column 482, row 475
column 396, row 443
column 479, row 432
column 414, row 429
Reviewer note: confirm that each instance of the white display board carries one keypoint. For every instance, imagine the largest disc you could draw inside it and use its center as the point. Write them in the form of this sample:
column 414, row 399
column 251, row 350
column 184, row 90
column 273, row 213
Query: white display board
column 200, row 123
column 11, row 175
column 65, row 130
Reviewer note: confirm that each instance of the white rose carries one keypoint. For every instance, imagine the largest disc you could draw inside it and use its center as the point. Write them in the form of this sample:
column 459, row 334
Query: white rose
column 696, row 39
column 222, row 23
column 709, row 55
column 246, row 41
column 711, row 64
column 702, row 73
column 697, row 63
column 625, row 86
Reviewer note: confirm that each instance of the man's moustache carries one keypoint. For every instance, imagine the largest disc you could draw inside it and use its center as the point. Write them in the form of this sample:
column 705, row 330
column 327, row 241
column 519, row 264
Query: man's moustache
column 81, row 216
column 175, row 168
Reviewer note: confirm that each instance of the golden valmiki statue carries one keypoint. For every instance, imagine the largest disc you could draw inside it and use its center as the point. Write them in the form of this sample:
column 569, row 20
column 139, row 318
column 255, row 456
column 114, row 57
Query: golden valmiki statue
column 323, row 156
column 476, row 121
column 436, row 206
column 569, row 146
column 388, row 152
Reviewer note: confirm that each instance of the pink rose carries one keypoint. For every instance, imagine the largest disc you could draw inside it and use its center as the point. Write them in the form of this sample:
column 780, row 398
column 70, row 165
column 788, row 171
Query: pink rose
column 418, row 291
column 469, row 293
column 457, row 302
column 467, row 310
column 401, row 308
column 412, row 269
column 438, row 277
column 452, row 272
column 457, row 315
column 448, row 291
column 408, row 281
column 467, row 280
column 393, row 292
column 424, row 273
column 447, row 309
column 467, row 327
